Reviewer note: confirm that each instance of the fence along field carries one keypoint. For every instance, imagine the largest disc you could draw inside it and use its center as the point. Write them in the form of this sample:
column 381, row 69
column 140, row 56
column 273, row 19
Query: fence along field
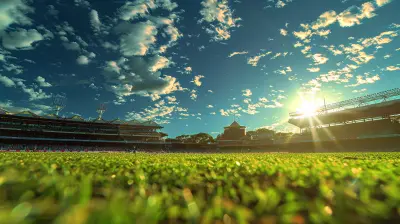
column 212, row 188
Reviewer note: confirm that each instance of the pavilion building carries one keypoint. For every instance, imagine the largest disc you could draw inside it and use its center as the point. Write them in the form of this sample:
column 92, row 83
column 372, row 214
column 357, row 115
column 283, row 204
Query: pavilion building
column 234, row 132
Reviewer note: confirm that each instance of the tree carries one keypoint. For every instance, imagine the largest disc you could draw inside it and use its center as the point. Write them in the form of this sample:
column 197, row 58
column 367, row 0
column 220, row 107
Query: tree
column 260, row 133
column 251, row 133
column 265, row 131
column 284, row 134
column 183, row 138
column 202, row 138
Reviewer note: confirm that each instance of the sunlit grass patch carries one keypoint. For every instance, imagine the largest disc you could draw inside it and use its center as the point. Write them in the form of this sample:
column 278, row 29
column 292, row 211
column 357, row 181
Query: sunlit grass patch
column 181, row 188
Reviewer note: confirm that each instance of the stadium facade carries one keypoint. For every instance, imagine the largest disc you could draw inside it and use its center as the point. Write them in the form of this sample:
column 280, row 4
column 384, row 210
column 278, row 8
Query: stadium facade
column 370, row 116
column 30, row 131
column 368, row 123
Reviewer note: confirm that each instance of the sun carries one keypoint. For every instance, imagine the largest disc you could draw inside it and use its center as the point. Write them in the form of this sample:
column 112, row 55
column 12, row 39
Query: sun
column 308, row 108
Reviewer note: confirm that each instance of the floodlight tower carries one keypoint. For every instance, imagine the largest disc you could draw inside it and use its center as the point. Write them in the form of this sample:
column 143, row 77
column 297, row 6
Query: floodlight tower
column 59, row 102
column 101, row 109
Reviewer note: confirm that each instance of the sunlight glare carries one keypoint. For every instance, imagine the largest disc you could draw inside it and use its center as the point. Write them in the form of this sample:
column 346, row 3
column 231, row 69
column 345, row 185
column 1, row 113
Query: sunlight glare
column 308, row 108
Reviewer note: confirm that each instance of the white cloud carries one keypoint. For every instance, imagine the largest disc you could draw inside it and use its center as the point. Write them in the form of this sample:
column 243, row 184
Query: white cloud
column 362, row 58
column 167, row 4
column 382, row 2
column 6, row 81
column 135, row 76
column 298, row 44
column 392, row 68
column 92, row 55
column 158, row 63
column 277, row 55
column 254, row 60
column 14, row 11
column 21, row 39
column 82, row 3
column 108, row 45
column 42, row 82
column 74, row 46
column 38, row 109
column 82, row 60
column 383, row 38
column 17, row 69
column 196, row 80
column 334, row 50
column 160, row 113
column 237, row 53
column 247, row 92
column 133, row 10
column 38, row 94
column 137, row 39
column 93, row 86
column 302, row 35
column 324, row 20
column 173, row 33
column 306, row 51
column 319, row 59
column 353, row 15
column 313, row 69
column 171, row 99
column 284, row 71
column 366, row 80
column 359, row 91
column 283, row 32
column 349, row 17
column 193, row 94
column 188, row 70
column 252, row 108
column 224, row 113
column 112, row 66
column 94, row 20
column 311, row 86
column 220, row 17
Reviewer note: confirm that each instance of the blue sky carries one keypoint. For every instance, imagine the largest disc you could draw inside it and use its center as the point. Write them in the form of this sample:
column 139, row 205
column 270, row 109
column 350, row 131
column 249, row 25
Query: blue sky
column 192, row 65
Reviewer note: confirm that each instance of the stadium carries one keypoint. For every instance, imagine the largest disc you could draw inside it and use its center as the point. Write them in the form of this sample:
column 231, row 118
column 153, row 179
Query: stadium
column 26, row 131
column 372, row 121
column 352, row 118
column 368, row 123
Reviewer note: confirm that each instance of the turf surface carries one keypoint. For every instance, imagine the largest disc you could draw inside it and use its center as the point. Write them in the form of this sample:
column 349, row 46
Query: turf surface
column 194, row 188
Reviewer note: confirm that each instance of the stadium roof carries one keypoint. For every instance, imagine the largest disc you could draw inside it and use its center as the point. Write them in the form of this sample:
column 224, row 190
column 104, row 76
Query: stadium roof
column 364, row 112
column 235, row 124
column 355, row 102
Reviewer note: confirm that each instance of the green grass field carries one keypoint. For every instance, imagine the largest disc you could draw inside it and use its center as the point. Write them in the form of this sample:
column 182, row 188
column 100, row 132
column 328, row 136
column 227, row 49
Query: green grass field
column 194, row 188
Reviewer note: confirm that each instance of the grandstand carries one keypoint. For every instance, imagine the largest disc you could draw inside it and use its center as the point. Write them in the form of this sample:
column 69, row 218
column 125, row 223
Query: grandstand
column 371, row 116
column 29, row 130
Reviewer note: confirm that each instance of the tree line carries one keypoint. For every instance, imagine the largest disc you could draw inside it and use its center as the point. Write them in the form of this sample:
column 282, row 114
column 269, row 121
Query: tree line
column 205, row 138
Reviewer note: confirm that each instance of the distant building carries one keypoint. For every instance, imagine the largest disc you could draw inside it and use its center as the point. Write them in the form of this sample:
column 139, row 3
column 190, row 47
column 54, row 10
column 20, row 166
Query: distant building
column 262, row 138
column 235, row 136
column 234, row 132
